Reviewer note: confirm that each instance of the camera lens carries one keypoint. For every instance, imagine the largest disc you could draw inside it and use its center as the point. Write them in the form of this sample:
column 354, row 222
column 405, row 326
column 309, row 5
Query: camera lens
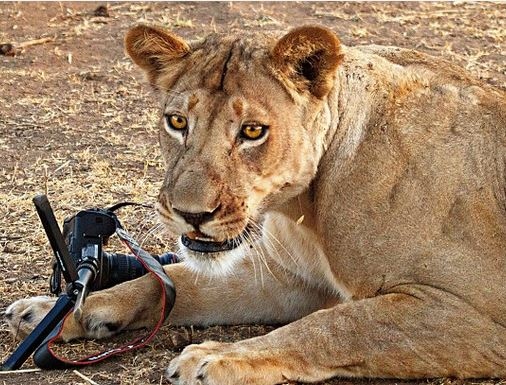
column 117, row 268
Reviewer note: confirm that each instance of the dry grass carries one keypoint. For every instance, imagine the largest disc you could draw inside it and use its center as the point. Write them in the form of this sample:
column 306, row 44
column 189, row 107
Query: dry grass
column 77, row 123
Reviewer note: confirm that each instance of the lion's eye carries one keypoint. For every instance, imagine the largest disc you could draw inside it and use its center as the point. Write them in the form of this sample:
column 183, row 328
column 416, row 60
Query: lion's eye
column 177, row 122
column 253, row 131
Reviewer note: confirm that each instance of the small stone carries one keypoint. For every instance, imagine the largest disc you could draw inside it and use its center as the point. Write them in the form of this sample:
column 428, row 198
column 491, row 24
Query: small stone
column 7, row 49
column 9, row 250
column 179, row 341
column 102, row 11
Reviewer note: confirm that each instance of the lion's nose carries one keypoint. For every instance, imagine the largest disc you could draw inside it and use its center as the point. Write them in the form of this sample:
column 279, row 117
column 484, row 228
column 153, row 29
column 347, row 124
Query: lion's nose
column 196, row 219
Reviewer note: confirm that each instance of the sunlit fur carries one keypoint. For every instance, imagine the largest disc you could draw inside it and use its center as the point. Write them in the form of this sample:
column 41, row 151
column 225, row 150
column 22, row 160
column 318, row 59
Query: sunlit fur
column 376, row 211
column 211, row 165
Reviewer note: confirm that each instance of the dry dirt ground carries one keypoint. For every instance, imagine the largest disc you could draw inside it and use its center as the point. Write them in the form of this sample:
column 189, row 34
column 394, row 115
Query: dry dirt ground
column 77, row 122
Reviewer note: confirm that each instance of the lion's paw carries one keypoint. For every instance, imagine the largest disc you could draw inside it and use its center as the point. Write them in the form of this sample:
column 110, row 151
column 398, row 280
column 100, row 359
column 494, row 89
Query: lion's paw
column 24, row 315
column 100, row 317
column 184, row 368
column 213, row 363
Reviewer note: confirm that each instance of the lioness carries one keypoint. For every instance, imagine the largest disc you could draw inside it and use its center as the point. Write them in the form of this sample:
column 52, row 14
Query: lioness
column 360, row 192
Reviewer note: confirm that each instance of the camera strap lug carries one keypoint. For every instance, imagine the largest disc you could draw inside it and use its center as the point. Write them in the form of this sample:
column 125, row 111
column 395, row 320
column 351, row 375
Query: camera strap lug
column 55, row 279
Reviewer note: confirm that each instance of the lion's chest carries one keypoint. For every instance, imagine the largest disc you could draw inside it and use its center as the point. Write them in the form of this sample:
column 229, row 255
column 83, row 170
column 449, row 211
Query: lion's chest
column 297, row 249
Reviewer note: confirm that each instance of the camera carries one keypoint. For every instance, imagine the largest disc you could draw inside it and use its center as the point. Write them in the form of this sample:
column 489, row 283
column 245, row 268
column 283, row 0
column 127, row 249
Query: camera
column 85, row 235
column 79, row 258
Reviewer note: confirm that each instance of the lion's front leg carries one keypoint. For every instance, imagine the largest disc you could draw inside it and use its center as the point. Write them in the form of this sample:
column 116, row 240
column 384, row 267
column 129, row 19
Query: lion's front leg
column 239, row 298
column 421, row 332
column 131, row 304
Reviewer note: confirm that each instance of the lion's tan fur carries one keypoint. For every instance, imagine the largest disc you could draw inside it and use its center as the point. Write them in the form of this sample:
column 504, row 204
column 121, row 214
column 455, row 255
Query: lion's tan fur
column 381, row 195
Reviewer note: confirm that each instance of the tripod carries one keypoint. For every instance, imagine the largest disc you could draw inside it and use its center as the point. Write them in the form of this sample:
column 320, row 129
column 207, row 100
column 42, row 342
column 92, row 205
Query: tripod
column 85, row 267
column 78, row 282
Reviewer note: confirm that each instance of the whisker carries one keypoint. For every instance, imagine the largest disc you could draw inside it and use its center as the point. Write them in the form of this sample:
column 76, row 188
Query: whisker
column 254, row 249
column 244, row 239
column 272, row 250
column 153, row 229
column 227, row 234
column 262, row 258
column 146, row 220
column 273, row 237
column 197, row 274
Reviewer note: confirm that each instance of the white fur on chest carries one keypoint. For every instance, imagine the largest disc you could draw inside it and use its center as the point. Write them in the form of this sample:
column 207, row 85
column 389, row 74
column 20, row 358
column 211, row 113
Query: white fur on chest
column 296, row 248
column 285, row 245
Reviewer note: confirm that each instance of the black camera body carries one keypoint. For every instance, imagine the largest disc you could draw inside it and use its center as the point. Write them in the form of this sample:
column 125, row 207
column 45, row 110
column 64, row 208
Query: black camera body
column 85, row 235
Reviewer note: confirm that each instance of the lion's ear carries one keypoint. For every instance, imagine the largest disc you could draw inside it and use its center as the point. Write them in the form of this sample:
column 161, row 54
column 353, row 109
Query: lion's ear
column 153, row 48
column 309, row 56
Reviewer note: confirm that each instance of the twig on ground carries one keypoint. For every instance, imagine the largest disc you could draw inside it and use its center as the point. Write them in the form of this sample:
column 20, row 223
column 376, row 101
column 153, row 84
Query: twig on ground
column 29, row 43
column 20, row 371
column 9, row 238
column 10, row 49
column 87, row 379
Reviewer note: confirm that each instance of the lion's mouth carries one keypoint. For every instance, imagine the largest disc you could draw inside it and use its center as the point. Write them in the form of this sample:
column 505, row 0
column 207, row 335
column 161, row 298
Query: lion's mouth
column 197, row 241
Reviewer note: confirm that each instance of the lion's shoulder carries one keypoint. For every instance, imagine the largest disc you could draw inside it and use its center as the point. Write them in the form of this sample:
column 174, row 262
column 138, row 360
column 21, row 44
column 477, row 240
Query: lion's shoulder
column 443, row 70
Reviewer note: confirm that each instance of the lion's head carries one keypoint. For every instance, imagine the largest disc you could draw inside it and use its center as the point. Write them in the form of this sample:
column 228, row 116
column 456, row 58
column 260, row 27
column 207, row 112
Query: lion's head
column 240, row 129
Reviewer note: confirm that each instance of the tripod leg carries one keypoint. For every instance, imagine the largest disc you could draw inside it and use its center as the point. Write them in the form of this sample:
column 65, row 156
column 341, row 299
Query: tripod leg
column 39, row 334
